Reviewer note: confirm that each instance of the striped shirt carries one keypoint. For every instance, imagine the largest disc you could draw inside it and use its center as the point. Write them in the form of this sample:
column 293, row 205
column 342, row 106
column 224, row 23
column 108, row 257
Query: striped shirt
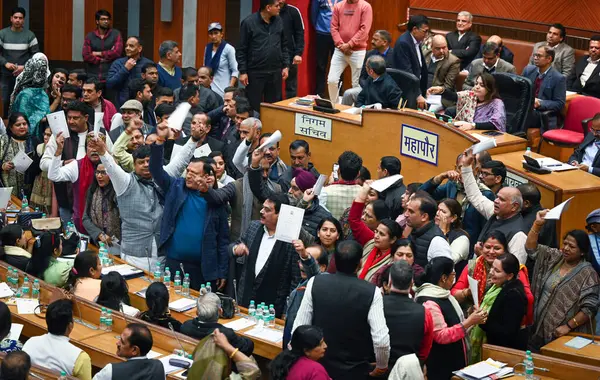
column 16, row 47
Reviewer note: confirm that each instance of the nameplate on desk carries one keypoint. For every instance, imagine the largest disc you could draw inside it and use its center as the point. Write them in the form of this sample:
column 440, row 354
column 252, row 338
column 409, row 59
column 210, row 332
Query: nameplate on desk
column 313, row 126
column 420, row 144
column 514, row 180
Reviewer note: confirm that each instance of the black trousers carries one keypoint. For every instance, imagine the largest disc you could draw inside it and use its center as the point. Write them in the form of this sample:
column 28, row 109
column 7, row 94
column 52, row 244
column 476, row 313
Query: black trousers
column 324, row 46
column 7, row 85
column 263, row 86
column 291, row 83
column 195, row 272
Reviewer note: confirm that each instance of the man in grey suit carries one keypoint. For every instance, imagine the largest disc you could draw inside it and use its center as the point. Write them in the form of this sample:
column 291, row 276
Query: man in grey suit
column 490, row 63
column 442, row 66
column 564, row 61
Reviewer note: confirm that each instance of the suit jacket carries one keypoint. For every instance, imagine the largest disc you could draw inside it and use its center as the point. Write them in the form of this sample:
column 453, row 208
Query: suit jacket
column 466, row 49
column 477, row 68
column 446, row 71
column 406, row 59
column 384, row 91
column 564, row 59
column 553, row 92
column 592, row 85
column 580, row 152
column 506, row 54
column 389, row 62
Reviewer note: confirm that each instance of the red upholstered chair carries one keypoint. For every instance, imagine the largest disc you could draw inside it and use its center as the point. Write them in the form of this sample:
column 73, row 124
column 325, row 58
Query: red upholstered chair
column 581, row 110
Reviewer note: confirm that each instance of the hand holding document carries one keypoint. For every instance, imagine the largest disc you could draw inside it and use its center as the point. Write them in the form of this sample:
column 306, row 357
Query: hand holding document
column 22, row 162
column 58, row 123
column 484, row 145
column 272, row 140
column 178, row 116
column 555, row 212
column 474, row 286
column 289, row 223
column 319, row 184
column 382, row 184
column 98, row 123
column 434, row 99
column 5, row 193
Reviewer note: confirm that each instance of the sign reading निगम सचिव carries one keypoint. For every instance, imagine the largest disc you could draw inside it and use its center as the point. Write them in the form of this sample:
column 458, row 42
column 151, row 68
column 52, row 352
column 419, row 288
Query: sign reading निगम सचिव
column 420, row 144
column 313, row 126
column 514, row 180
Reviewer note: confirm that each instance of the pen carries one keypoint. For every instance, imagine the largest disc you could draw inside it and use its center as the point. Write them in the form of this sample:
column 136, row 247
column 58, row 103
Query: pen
column 552, row 166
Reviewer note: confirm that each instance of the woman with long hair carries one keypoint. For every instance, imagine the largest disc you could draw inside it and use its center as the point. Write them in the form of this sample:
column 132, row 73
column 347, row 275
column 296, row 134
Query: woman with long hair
column 301, row 362
column 157, row 300
column 114, row 292
column 84, row 278
column 15, row 249
column 448, row 219
column 41, row 194
column 44, row 263
column 101, row 214
column 329, row 233
column 18, row 139
column 405, row 250
column 56, row 82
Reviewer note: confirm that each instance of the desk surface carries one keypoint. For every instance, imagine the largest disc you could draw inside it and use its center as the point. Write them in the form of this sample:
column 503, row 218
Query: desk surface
column 589, row 354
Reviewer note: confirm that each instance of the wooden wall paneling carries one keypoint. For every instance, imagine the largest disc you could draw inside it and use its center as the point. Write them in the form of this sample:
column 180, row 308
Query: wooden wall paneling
column 91, row 6
column 207, row 12
column 119, row 12
column 7, row 6
column 37, row 20
column 167, row 30
column 232, row 22
column 58, row 29
column 387, row 14
column 147, row 29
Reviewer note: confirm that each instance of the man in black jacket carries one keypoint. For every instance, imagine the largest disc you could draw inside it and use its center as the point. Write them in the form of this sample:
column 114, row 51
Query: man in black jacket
column 208, row 309
column 587, row 155
column 293, row 26
column 262, row 54
column 464, row 43
column 585, row 79
column 389, row 166
column 200, row 129
column 380, row 87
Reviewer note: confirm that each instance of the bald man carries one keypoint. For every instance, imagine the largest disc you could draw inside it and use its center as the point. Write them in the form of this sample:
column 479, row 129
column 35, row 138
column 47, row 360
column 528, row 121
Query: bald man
column 505, row 52
column 442, row 66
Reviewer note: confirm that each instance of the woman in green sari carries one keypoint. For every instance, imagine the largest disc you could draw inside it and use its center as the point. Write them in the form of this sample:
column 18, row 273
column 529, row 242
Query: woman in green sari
column 565, row 286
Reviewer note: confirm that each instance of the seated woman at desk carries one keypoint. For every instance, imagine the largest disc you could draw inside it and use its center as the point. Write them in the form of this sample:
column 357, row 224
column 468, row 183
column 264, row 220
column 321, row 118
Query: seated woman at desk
column 564, row 283
column 157, row 300
column 7, row 344
column 44, row 263
column 479, row 108
column 15, row 249
column 84, row 278
column 114, row 294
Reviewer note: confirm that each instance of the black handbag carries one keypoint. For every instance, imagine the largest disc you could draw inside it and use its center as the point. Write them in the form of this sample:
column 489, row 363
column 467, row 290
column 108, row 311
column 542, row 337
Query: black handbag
column 24, row 219
column 227, row 305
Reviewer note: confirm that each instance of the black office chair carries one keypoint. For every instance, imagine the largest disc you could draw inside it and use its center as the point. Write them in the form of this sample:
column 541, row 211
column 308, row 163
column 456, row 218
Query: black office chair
column 409, row 84
column 517, row 94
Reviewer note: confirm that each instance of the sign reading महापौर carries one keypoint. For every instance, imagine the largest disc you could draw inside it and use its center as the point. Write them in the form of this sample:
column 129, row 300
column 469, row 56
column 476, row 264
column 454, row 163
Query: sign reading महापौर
column 420, row 144
column 313, row 126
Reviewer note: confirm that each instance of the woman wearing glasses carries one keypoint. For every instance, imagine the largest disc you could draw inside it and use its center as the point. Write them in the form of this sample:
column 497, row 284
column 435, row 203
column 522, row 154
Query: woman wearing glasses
column 101, row 214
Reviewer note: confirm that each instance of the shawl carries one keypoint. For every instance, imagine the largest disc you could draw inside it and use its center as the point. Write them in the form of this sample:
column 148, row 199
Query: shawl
column 493, row 112
column 105, row 216
column 212, row 363
column 478, row 269
column 83, row 183
column 34, row 103
column 465, row 106
column 477, row 335
column 375, row 260
column 9, row 148
column 213, row 62
column 434, row 291
column 35, row 74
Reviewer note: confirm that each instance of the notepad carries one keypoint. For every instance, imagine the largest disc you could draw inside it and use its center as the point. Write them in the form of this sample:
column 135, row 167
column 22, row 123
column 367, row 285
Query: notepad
column 578, row 342
column 26, row 306
column 266, row 334
column 182, row 304
column 240, row 324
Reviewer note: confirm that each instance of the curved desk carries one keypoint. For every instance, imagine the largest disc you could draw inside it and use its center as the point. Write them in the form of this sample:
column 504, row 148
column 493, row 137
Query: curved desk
column 425, row 145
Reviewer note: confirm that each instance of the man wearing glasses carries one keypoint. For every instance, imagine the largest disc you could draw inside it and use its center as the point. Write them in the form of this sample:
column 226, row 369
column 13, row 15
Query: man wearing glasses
column 101, row 47
column 492, row 174
column 587, row 155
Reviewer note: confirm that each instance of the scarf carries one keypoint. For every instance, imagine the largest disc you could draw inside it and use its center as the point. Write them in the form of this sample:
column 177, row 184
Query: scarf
column 86, row 176
column 434, row 291
column 466, row 106
column 374, row 258
column 480, row 272
column 35, row 74
column 213, row 62
column 105, row 215
column 477, row 335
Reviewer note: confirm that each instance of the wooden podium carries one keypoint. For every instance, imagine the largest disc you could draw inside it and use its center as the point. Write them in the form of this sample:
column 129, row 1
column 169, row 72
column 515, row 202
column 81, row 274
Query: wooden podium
column 425, row 145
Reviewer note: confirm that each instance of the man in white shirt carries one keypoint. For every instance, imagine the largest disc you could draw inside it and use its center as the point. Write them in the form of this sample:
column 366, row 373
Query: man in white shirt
column 585, row 78
column 586, row 156
column 134, row 344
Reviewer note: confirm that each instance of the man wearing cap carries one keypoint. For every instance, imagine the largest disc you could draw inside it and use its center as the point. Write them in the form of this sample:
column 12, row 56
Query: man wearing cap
column 124, row 70
column 130, row 110
column 220, row 57
column 293, row 26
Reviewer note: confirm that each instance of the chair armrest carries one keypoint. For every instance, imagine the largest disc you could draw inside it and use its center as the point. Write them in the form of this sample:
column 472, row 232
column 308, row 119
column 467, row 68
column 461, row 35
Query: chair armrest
column 585, row 124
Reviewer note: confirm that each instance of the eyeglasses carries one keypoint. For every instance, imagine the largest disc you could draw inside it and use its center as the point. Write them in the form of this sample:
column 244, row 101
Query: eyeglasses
column 101, row 172
column 536, row 55
column 485, row 174
column 595, row 131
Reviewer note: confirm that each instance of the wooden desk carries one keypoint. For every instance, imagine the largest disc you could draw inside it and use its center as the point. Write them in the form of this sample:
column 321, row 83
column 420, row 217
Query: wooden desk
column 556, row 188
column 378, row 133
column 589, row 354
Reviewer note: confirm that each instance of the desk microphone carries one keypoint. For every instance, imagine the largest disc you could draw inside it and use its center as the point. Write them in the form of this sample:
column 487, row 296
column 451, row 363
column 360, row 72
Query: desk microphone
column 178, row 341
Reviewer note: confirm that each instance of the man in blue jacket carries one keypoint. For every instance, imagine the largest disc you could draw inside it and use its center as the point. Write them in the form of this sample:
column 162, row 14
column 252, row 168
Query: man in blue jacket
column 124, row 70
column 194, row 234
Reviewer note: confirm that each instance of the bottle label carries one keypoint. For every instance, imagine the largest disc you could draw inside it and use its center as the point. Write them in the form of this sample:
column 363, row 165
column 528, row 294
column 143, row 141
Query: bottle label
column 177, row 283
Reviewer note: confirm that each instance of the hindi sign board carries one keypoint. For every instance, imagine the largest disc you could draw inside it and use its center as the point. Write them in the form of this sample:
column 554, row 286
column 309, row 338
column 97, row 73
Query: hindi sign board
column 420, row 144
column 514, row 180
column 313, row 126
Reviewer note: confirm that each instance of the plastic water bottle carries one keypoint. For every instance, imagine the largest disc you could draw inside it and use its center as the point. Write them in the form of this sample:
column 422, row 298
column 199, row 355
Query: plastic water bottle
column 528, row 152
column 202, row 289
column 260, row 320
column 185, row 288
column 103, row 319
column 15, row 278
column 44, row 215
column 63, row 375
column 25, row 288
column 109, row 320
column 271, row 315
column 157, row 273
column 35, row 289
column 177, row 282
column 24, row 204
column 208, row 288
column 252, row 311
column 103, row 254
column 9, row 279
column 529, row 367
column 167, row 277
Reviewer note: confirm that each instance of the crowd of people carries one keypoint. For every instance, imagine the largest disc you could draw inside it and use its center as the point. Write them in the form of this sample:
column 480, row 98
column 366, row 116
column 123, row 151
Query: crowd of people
column 393, row 263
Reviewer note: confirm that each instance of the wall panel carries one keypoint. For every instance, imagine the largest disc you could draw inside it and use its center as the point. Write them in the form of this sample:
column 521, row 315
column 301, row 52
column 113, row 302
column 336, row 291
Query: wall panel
column 58, row 28
column 208, row 12
column 167, row 30
column 91, row 6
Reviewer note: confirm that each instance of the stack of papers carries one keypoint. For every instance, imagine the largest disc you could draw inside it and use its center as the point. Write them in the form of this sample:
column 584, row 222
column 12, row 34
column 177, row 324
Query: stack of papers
column 26, row 305
column 182, row 304
column 240, row 324
column 266, row 334
column 124, row 270
column 487, row 370
column 5, row 291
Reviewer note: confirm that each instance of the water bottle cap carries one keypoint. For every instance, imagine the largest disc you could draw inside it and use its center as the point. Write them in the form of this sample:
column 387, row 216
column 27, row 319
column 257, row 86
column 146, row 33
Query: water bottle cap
column 251, row 302
column 271, row 306
column 187, row 275
column 25, row 279
column 190, row 357
column 208, row 283
column 103, row 309
column 528, row 352
column 63, row 373
column 109, row 311
column 166, row 269
column 177, row 272
column 202, row 286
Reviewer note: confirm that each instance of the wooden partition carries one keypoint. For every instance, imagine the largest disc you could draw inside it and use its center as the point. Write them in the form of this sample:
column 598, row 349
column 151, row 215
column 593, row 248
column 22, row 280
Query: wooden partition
column 589, row 354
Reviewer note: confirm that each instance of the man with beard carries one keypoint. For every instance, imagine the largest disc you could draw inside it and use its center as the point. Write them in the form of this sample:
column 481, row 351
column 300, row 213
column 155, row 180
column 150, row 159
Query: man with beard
column 300, row 158
column 124, row 70
column 249, row 131
column 224, row 117
column 101, row 47
column 586, row 156
column 150, row 75
column 140, row 90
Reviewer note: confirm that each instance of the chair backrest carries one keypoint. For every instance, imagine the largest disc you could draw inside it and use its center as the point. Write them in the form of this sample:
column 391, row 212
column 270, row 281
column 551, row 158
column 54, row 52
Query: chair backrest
column 517, row 94
column 409, row 84
column 581, row 108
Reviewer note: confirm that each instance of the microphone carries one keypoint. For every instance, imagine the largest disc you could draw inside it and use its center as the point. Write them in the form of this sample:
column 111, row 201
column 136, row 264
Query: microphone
column 178, row 341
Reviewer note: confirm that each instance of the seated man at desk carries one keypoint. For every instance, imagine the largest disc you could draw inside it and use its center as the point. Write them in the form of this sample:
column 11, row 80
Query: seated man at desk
column 53, row 350
column 587, row 155
column 380, row 87
column 585, row 78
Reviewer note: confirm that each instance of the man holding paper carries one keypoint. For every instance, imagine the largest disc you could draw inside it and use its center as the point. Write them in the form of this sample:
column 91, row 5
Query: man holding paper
column 250, row 130
column 200, row 128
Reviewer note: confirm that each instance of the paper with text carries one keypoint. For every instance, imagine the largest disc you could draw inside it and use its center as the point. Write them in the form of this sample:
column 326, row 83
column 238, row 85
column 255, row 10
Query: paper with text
column 5, row 291
column 382, row 184
column 434, row 99
column 289, row 223
column 26, row 306
column 266, row 334
column 22, row 162
column 555, row 213
column 240, row 324
column 202, row 151
column 58, row 123
column 484, row 145
column 271, row 140
column 178, row 116
column 474, row 286
column 170, row 368
column 5, row 193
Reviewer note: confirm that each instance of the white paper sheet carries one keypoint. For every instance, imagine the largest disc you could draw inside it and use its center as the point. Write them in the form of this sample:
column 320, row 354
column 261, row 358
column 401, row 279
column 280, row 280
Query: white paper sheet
column 480, row 137
column 182, row 304
column 571, row 93
column 153, row 354
column 289, row 223
column 555, row 213
column 58, row 123
column 123, row 269
column 319, row 184
column 484, row 145
column 271, row 140
column 142, row 293
column 576, row 343
column 266, row 334
column 353, row 111
column 473, row 286
column 129, row 310
column 5, row 290
column 98, row 123
column 26, row 305
column 5, row 193
column 240, row 324
column 22, row 162
column 15, row 331
column 202, row 151
column 178, row 116
column 169, row 368
column 480, row 370
column 434, row 99
column 176, row 149
column 554, row 165
column 382, row 184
